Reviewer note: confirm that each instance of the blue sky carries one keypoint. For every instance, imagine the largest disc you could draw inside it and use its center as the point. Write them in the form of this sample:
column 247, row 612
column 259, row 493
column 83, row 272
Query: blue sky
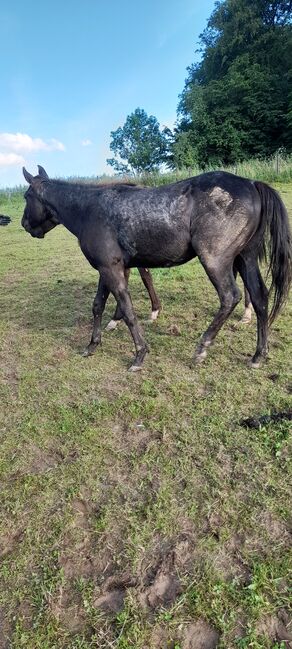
column 71, row 72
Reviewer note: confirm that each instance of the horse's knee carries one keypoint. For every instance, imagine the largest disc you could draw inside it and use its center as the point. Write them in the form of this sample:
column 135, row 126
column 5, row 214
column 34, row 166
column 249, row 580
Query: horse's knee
column 96, row 308
column 231, row 299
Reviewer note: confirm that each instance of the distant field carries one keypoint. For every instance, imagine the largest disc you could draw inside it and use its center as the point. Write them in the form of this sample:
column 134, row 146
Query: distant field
column 275, row 169
column 136, row 511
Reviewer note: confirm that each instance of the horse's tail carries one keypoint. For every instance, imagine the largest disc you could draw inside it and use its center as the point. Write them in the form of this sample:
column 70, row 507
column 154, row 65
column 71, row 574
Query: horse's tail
column 278, row 241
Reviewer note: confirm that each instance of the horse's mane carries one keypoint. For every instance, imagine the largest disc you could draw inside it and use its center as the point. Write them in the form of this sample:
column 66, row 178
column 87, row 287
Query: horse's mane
column 95, row 185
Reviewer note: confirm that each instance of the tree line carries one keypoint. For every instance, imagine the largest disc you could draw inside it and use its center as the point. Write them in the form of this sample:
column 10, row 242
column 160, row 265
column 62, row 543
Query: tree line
column 236, row 102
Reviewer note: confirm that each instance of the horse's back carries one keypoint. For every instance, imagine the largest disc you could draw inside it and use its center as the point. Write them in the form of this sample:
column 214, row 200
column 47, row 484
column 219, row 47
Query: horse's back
column 226, row 214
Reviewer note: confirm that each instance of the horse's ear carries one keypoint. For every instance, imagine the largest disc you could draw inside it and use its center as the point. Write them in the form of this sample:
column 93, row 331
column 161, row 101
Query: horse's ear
column 28, row 177
column 42, row 172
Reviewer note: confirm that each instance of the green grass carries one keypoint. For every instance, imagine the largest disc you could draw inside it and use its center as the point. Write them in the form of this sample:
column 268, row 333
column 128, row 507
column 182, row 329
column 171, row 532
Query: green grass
column 273, row 169
column 112, row 481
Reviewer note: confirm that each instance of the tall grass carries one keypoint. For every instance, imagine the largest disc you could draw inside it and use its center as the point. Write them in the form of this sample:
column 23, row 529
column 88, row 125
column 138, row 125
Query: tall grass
column 273, row 169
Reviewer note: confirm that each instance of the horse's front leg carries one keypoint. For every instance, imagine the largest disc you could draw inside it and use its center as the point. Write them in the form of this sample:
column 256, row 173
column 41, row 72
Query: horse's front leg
column 117, row 283
column 97, row 309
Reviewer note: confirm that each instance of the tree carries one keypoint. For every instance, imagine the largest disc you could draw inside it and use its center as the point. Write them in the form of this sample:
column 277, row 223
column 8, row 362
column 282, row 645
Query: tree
column 139, row 145
column 235, row 103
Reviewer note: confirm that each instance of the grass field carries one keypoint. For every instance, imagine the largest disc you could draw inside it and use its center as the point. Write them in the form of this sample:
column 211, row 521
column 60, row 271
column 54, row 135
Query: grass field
column 136, row 510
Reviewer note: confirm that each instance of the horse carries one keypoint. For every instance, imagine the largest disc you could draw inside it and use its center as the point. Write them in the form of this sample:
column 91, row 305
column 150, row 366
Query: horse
column 230, row 223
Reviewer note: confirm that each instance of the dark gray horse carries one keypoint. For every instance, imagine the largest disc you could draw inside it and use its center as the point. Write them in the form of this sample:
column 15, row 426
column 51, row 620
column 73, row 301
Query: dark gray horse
column 225, row 220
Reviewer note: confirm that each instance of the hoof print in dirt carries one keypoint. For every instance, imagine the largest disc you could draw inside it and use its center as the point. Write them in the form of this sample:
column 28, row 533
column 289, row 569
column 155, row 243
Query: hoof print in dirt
column 160, row 639
column 111, row 602
column 200, row 635
column 174, row 330
column 276, row 628
column 114, row 591
column 162, row 593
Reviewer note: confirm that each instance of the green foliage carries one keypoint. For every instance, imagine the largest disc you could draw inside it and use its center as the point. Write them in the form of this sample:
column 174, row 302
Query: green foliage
column 236, row 102
column 139, row 145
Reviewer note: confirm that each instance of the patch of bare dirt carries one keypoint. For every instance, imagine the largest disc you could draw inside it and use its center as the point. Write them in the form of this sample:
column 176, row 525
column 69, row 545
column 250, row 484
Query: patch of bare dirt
column 269, row 534
column 162, row 592
column 200, row 635
column 110, row 598
column 159, row 581
column 277, row 628
column 67, row 609
column 229, row 566
column 174, row 330
column 25, row 612
column 76, row 556
column 160, row 639
column 227, row 561
column 238, row 631
column 5, row 630
column 111, row 602
column 9, row 541
column 40, row 460
column 136, row 438
column 225, row 463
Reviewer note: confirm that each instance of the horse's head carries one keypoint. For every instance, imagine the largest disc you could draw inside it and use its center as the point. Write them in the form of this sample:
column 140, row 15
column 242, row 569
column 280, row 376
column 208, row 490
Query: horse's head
column 38, row 218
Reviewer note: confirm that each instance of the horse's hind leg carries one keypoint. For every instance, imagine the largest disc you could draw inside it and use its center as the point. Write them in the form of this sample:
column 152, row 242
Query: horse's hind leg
column 97, row 309
column 251, row 276
column 224, row 282
column 148, row 283
column 118, row 316
column 246, row 318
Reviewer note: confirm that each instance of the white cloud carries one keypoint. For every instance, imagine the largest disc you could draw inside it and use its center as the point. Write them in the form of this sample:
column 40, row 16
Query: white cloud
column 86, row 142
column 11, row 159
column 26, row 143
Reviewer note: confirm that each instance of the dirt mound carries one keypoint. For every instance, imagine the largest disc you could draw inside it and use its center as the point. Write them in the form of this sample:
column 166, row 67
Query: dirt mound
column 277, row 628
column 200, row 635
column 5, row 630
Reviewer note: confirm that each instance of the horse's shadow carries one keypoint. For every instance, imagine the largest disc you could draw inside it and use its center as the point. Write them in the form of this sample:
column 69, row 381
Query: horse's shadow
column 63, row 308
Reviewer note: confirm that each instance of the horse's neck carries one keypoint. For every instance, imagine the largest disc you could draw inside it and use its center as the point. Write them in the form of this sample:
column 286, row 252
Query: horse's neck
column 64, row 204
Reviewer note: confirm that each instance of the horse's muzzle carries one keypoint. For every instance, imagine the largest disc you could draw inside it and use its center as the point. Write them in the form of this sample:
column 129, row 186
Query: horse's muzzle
column 34, row 232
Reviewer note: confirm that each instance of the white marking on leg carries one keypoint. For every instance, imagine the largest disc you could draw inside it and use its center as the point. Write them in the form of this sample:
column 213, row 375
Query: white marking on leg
column 135, row 368
column 254, row 365
column 199, row 358
column 246, row 318
column 154, row 315
column 112, row 325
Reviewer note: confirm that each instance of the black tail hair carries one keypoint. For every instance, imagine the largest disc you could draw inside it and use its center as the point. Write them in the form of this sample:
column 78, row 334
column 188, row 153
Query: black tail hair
column 276, row 244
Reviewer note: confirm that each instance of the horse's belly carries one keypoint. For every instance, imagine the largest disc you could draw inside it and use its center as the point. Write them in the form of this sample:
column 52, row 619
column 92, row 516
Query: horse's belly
column 164, row 256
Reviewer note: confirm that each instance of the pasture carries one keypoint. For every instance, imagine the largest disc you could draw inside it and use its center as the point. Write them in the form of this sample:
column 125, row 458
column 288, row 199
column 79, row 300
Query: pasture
column 136, row 510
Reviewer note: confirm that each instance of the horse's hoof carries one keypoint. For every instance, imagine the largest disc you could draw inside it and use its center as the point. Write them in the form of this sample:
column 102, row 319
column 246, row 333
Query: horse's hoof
column 112, row 325
column 135, row 368
column 88, row 352
column 254, row 365
column 199, row 358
